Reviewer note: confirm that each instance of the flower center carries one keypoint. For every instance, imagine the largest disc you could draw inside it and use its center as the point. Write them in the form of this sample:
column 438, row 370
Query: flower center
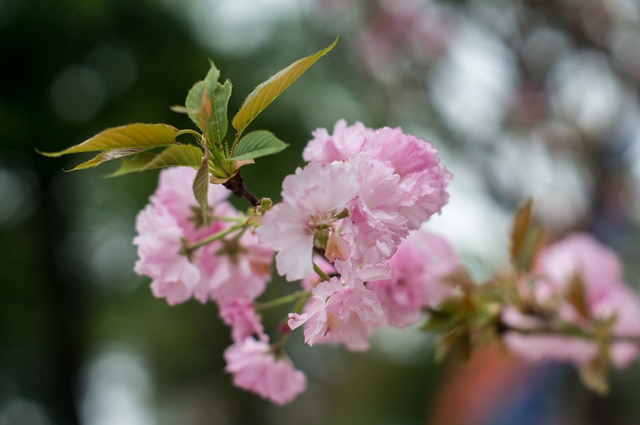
column 321, row 224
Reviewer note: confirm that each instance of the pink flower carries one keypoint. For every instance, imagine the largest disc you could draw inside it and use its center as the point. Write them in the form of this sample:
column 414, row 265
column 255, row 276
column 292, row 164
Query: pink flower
column 345, row 142
column 598, row 266
column 600, row 270
column 173, row 220
column 551, row 347
column 173, row 276
column 375, row 226
column 175, row 194
column 420, row 263
column 422, row 180
column 606, row 297
column 240, row 315
column 233, row 268
column 311, row 198
column 256, row 368
column 539, row 347
column 339, row 312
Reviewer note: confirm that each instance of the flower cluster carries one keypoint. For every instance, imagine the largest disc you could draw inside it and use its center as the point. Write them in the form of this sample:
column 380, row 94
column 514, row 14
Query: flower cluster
column 344, row 215
column 235, row 266
column 359, row 197
column 349, row 228
column 232, row 269
column 576, row 282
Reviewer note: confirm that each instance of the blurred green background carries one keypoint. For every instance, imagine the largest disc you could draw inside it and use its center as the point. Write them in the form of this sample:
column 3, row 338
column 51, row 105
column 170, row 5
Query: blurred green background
column 523, row 98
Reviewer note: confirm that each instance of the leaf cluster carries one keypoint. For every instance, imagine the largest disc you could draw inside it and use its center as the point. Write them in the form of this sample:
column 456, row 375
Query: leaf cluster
column 151, row 146
column 466, row 320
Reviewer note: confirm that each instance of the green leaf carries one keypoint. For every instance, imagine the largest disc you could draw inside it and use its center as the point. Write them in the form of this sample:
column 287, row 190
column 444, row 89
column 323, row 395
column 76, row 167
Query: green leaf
column 173, row 156
column 108, row 156
column 128, row 136
column 139, row 163
column 195, row 105
column 201, row 186
column 219, row 121
column 176, row 156
column 256, row 144
column 266, row 92
column 207, row 104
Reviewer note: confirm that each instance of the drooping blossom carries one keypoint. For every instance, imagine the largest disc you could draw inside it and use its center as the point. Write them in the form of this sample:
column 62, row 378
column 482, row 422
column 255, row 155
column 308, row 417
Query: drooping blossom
column 240, row 315
column 173, row 219
column 339, row 312
column 606, row 297
column 256, row 368
column 422, row 260
column 359, row 196
column 311, row 198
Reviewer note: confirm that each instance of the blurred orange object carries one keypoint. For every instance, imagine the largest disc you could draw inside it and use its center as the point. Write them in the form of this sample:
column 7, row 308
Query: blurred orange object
column 477, row 391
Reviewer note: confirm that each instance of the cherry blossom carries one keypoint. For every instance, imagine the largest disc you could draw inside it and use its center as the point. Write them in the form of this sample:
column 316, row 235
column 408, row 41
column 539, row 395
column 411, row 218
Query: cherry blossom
column 159, row 243
column 234, row 266
column 311, row 199
column 422, row 180
column 422, row 260
column 339, row 312
column 240, row 315
column 256, row 368
column 599, row 272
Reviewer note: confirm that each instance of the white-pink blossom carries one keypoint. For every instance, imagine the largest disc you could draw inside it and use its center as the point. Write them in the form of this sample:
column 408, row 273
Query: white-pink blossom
column 419, row 265
column 256, row 368
column 579, row 253
column 423, row 180
column 310, row 200
column 562, row 348
column 339, row 312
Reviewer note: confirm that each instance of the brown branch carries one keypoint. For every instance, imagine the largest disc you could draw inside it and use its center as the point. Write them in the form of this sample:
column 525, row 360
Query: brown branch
column 240, row 190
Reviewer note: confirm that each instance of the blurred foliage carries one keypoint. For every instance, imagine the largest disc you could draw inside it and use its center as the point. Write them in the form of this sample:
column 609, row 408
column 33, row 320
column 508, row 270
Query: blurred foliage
column 524, row 98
